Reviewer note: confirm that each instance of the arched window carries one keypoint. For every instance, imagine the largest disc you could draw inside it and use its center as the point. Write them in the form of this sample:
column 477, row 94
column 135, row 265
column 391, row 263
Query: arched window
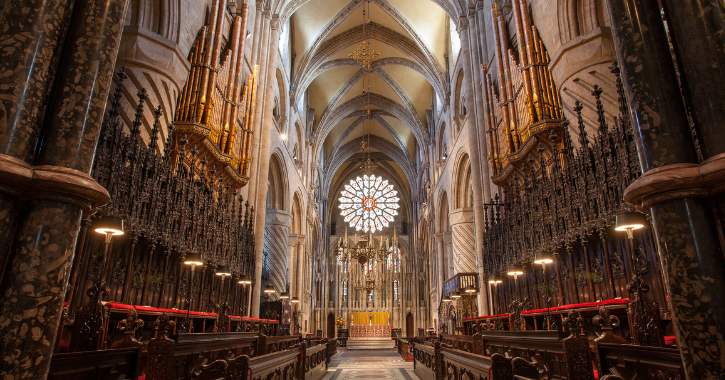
column 343, row 291
column 396, row 291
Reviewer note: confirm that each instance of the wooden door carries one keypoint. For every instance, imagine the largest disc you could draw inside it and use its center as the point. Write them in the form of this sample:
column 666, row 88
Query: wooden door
column 409, row 326
column 331, row 326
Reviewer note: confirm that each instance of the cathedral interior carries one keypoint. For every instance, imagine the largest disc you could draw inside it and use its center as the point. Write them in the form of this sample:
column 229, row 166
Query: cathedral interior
column 391, row 189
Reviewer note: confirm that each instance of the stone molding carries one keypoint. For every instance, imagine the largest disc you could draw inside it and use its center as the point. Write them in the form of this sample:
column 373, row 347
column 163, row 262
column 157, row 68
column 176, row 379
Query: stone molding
column 28, row 182
column 677, row 181
column 278, row 217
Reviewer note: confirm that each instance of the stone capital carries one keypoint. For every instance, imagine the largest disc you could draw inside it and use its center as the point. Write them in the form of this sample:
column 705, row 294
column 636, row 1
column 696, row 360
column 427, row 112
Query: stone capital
column 462, row 24
column 25, row 181
column 292, row 240
column 461, row 216
column 677, row 181
column 278, row 217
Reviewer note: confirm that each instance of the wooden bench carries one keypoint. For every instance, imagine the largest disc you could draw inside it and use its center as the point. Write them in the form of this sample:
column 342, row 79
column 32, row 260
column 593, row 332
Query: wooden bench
column 93, row 365
column 270, row 344
column 300, row 362
column 439, row 361
column 403, row 349
column 624, row 361
column 185, row 354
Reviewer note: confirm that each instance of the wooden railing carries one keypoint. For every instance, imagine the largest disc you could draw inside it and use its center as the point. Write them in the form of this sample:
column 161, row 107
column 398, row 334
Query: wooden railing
column 269, row 344
column 404, row 349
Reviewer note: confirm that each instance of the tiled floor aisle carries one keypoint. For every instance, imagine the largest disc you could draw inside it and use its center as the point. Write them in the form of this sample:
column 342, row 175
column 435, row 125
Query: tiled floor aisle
column 379, row 364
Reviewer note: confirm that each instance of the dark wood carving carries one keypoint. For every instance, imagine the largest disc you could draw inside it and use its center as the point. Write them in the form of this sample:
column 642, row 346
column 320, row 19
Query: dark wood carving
column 576, row 350
column 98, row 365
column 216, row 370
column 129, row 326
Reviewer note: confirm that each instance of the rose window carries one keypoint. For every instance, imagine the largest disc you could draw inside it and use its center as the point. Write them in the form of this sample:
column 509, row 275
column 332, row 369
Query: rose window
column 369, row 203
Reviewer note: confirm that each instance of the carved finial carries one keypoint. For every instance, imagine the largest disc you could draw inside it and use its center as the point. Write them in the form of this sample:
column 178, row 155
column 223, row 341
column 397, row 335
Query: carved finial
column 129, row 326
column 574, row 322
column 162, row 326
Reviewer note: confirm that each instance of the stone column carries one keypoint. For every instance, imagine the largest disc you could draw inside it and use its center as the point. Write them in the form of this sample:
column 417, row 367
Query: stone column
column 60, row 187
column 299, row 279
column 292, row 267
column 276, row 248
column 697, row 28
column 26, row 26
column 683, row 224
column 440, row 256
column 448, row 246
column 464, row 254
column 479, row 166
column 265, row 131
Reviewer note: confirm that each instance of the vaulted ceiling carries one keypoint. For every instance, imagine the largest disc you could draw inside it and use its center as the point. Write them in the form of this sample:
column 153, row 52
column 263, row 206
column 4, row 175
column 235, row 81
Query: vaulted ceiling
column 411, row 36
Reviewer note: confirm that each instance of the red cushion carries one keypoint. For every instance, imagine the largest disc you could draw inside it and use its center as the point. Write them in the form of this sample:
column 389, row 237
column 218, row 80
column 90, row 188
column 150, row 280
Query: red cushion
column 486, row 316
column 620, row 301
column 670, row 340
column 118, row 305
column 535, row 311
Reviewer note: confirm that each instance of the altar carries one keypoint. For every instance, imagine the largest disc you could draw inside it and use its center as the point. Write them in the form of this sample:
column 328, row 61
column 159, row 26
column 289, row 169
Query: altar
column 370, row 331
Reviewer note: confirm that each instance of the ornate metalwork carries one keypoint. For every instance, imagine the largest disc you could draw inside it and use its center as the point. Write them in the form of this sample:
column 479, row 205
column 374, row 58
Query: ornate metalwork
column 364, row 55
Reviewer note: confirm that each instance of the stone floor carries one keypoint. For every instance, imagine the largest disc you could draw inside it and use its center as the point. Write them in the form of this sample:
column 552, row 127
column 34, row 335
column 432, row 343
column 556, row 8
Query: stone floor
column 380, row 364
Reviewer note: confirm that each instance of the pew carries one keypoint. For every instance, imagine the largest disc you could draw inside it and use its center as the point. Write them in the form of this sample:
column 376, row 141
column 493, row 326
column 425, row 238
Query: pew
column 269, row 344
column 403, row 349
column 625, row 361
column 93, row 365
column 300, row 362
column 439, row 361
column 180, row 357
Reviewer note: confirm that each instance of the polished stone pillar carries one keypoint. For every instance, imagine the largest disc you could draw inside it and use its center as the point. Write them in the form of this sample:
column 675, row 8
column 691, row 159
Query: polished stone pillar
column 30, row 32
column 683, row 224
column 292, row 241
column 59, row 188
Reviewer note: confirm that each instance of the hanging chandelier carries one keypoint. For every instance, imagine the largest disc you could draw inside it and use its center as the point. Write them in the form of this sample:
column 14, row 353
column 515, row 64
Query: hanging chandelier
column 369, row 285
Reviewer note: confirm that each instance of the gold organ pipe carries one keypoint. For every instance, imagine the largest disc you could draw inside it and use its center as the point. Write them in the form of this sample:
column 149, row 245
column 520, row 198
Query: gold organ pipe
column 216, row 43
column 489, row 119
column 227, row 124
column 198, row 73
column 250, row 119
column 525, row 61
column 238, row 81
column 510, row 96
column 531, row 48
column 503, row 101
column 183, row 102
column 206, row 68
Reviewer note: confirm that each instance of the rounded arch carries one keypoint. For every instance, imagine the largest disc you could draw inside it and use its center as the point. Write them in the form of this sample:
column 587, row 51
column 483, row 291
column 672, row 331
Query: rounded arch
column 462, row 183
column 277, row 186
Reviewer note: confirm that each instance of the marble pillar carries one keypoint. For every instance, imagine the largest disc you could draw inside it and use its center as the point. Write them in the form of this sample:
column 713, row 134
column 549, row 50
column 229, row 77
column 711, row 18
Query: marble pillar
column 30, row 32
column 683, row 223
column 59, row 188
column 276, row 249
column 698, row 28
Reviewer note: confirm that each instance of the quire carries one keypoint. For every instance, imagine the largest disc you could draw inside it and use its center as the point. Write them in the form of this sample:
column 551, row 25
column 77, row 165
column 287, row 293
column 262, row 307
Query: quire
column 347, row 189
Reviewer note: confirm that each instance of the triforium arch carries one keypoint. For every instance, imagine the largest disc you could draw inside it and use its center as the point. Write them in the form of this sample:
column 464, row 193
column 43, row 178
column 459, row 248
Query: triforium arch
column 278, row 184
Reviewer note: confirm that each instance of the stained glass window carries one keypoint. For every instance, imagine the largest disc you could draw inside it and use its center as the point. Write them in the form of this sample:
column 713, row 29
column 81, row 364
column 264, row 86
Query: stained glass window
column 396, row 294
column 370, row 293
column 369, row 203
column 344, row 290
column 394, row 259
